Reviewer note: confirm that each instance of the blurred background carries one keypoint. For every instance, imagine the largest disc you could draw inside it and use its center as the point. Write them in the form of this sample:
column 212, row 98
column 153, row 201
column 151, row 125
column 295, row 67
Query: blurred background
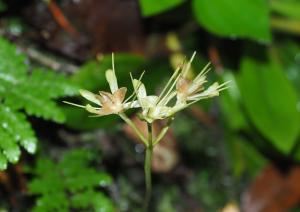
column 237, row 152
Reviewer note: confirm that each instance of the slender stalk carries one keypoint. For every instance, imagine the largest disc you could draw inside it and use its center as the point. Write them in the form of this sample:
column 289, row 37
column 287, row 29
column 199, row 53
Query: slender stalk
column 136, row 130
column 163, row 132
column 147, row 167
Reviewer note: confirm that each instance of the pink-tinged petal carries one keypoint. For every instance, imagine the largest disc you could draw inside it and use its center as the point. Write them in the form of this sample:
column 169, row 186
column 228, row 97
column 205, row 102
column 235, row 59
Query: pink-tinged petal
column 182, row 85
column 105, row 97
column 101, row 111
column 119, row 95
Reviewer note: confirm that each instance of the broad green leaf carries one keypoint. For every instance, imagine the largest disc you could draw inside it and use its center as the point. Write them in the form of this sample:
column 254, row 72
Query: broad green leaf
column 289, row 8
column 270, row 102
column 234, row 18
column 230, row 103
column 154, row 7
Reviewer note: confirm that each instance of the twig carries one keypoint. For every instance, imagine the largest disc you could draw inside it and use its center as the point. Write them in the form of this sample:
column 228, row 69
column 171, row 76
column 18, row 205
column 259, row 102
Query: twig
column 61, row 19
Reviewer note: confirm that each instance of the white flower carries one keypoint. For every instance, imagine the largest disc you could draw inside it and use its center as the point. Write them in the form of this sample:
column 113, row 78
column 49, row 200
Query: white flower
column 193, row 90
column 151, row 109
column 108, row 103
column 180, row 89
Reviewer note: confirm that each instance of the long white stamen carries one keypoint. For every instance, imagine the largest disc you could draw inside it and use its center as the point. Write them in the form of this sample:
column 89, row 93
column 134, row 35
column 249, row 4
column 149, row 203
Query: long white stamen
column 136, row 89
column 71, row 103
column 188, row 65
column 168, row 83
column 169, row 91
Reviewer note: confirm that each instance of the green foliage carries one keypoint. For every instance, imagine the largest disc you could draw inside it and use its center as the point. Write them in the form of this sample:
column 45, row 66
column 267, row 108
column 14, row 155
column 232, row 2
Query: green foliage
column 288, row 53
column 234, row 18
column 289, row 8
column 3, row 6
column 169, row 200
column 153, row 7
column 208, row 190
column 270, row 101
column 32, row 93
column 230, row 103
column 245, row 159
column 70, row 184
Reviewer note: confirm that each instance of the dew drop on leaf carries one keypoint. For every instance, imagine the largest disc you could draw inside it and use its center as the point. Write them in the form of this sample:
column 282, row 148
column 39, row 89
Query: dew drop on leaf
column 30, row 146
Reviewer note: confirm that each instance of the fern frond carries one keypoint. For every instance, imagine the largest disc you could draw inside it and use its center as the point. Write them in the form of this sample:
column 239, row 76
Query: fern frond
column 30, row 92
column 14, row 130
column 52, row 84
column 70, row 184
column 34, row 103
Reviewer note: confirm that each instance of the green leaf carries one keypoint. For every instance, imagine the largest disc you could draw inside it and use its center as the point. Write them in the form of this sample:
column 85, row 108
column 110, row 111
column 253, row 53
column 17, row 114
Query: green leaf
column 230, row 103
column 234, row 18
column 270, row 102
column 289, row 8
column 154, row 7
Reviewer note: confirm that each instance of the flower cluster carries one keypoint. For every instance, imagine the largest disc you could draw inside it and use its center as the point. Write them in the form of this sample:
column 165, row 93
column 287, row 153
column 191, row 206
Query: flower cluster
column 179, row 93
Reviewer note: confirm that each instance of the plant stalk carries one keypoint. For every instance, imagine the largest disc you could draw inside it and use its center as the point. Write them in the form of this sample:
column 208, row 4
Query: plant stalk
column 147, row 167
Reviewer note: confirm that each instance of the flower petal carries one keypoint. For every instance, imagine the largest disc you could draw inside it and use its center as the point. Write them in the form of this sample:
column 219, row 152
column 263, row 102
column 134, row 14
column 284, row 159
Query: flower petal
column 119, row 95
column 134, row 104
column 148, row 102
column 105, row 97
column 90, row 96
column 112, row 80
column 182, row 85
column 97, row 111
column 139, row 88
column 211, row 91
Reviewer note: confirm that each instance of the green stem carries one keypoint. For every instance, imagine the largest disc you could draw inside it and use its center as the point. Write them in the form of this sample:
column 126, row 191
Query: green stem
column 163, row 132
column 136, row 130
column 147, row 167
